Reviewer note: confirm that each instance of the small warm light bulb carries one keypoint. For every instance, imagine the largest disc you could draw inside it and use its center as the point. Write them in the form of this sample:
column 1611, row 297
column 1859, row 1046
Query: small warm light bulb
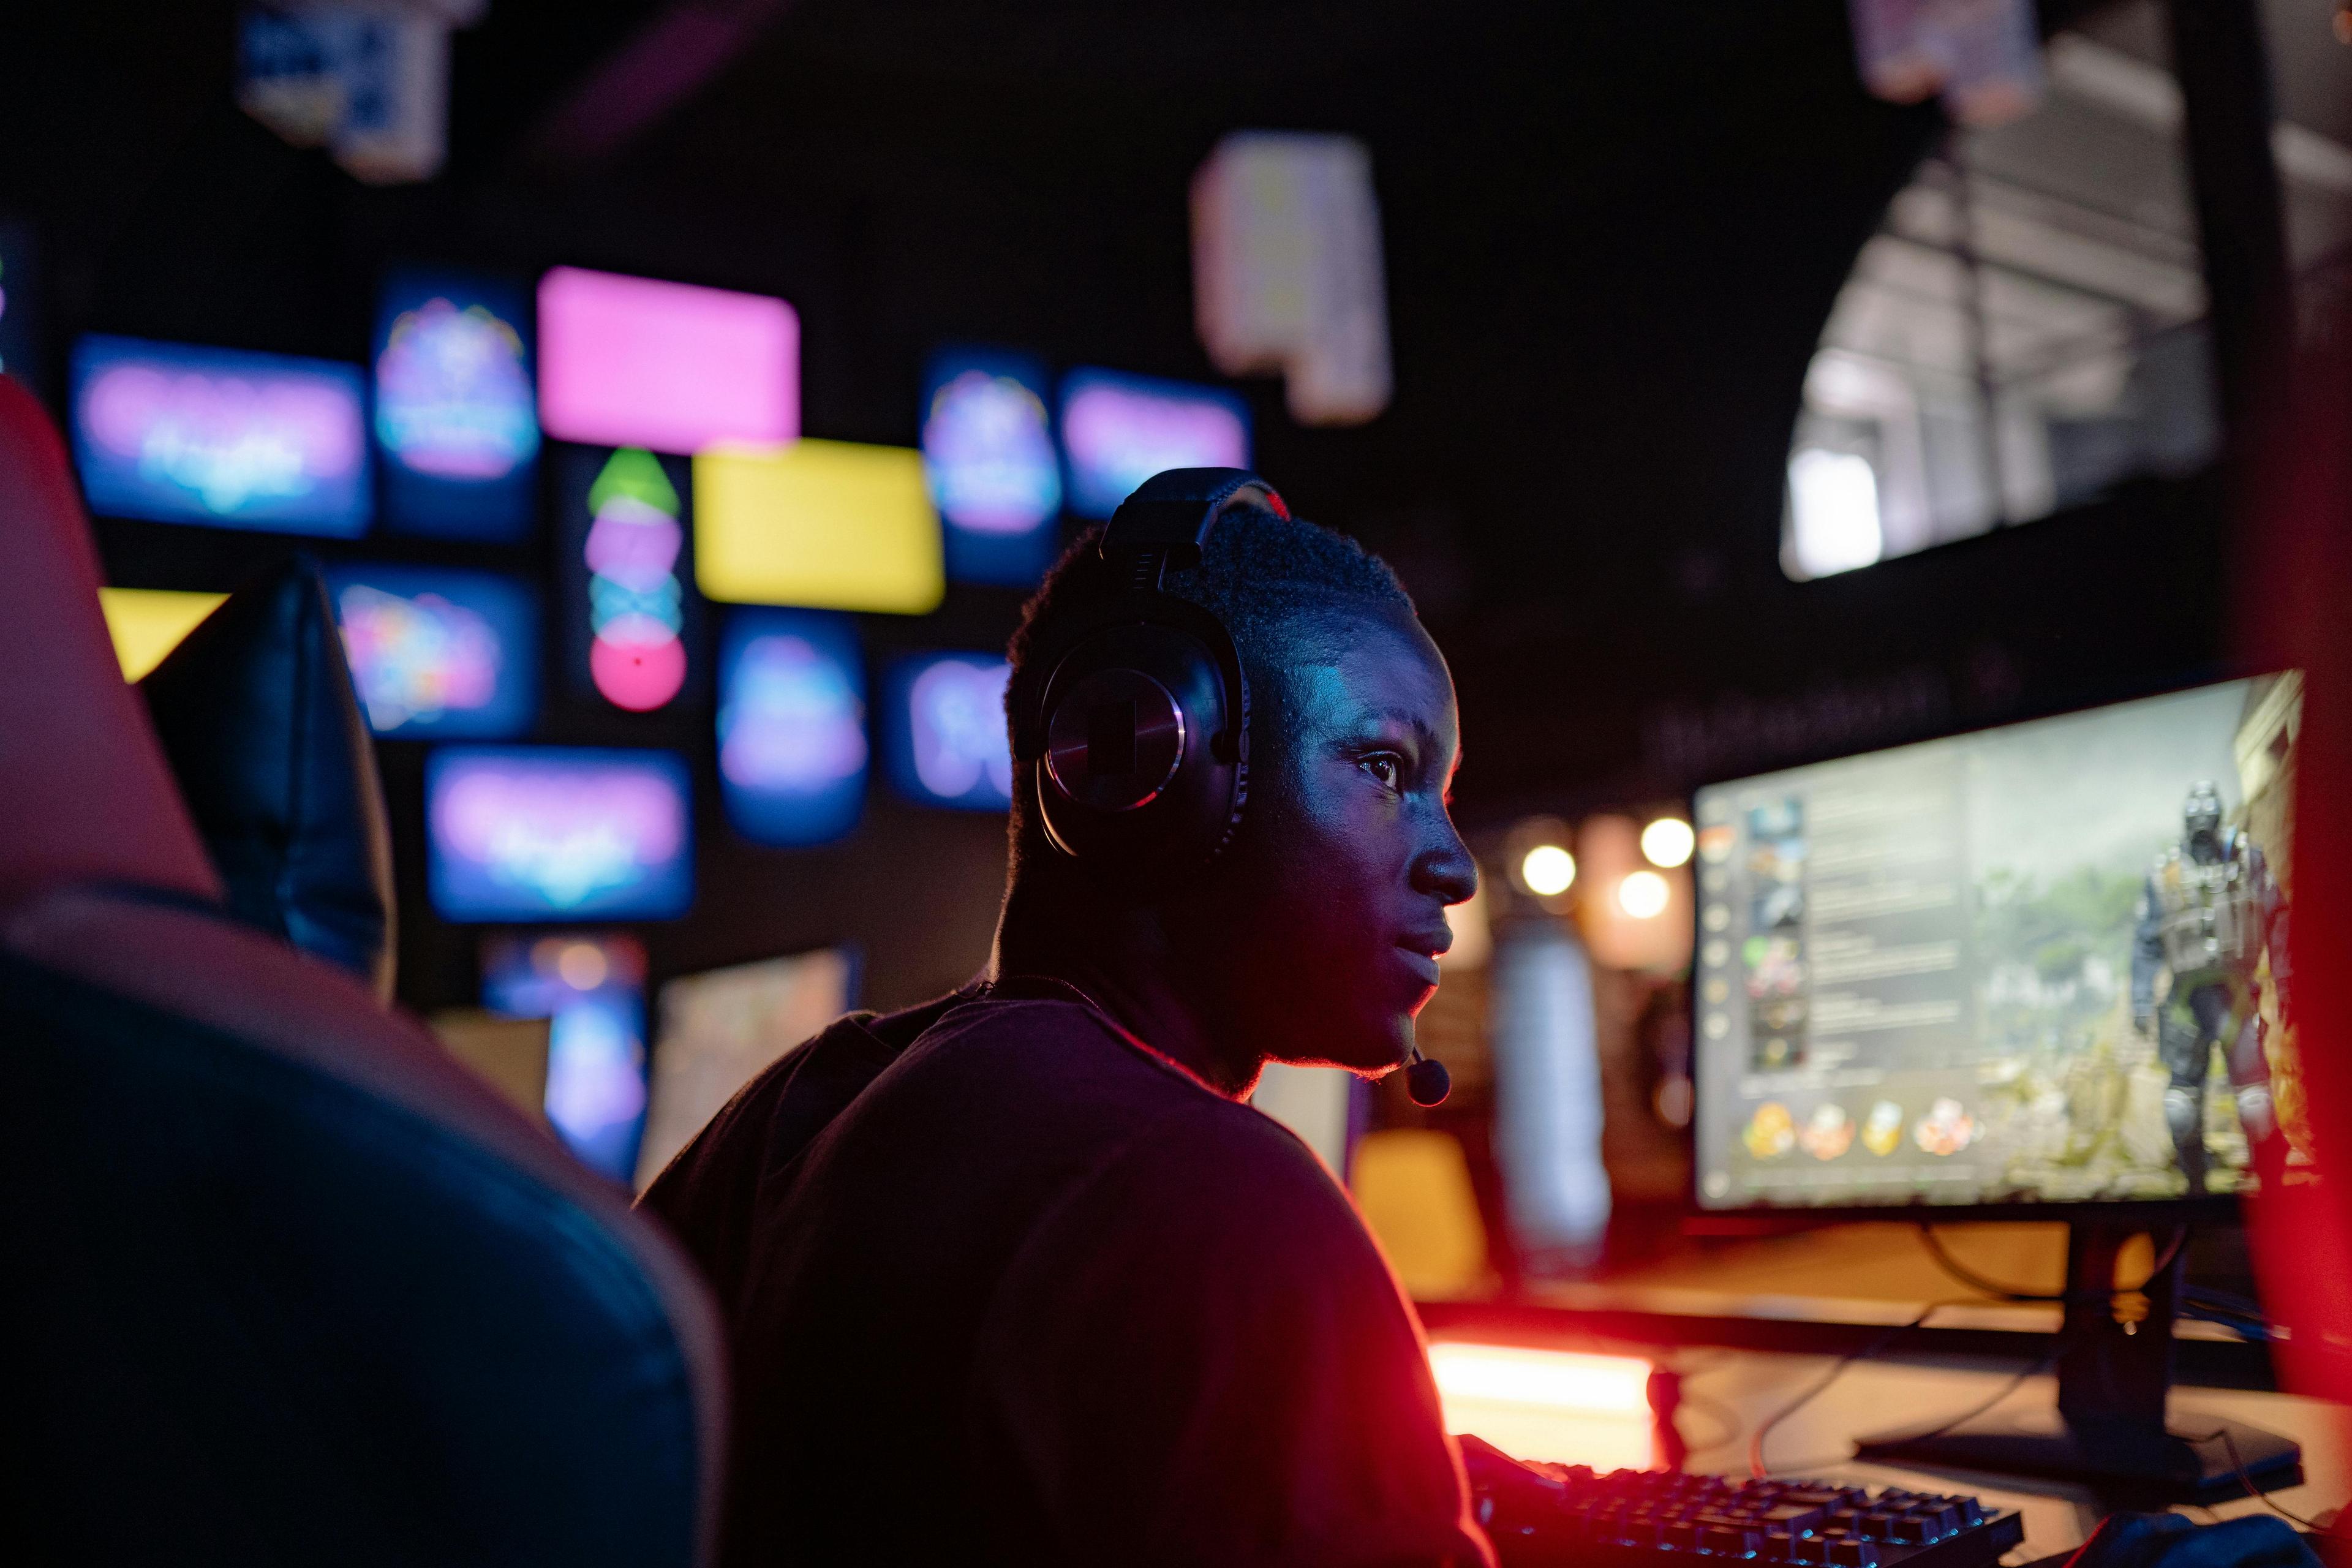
column 582, row 967
column 1547, row 870
column 1668, row 842
column 1642, row 895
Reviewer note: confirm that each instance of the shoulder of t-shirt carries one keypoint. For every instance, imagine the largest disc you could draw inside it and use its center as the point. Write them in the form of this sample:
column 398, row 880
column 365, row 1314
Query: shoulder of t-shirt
column 1010, row 1023
column 785, row 1105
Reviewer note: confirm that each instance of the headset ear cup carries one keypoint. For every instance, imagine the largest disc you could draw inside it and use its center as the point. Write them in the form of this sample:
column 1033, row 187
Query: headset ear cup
column 1109, row 798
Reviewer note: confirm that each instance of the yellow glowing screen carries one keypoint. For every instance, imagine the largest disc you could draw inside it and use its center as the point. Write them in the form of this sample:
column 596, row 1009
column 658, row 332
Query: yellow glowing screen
column 834, row 525
column 148, row 622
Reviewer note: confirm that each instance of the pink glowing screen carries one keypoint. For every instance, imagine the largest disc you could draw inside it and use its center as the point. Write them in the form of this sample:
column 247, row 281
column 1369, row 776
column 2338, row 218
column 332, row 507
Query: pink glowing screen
column 632, row 361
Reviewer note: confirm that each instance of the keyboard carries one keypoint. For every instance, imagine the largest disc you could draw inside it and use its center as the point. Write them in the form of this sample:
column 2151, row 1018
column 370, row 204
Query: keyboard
column 1540, row 1514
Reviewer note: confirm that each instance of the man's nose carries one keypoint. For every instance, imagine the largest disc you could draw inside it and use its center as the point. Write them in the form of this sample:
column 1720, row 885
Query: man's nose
column 1446, row 869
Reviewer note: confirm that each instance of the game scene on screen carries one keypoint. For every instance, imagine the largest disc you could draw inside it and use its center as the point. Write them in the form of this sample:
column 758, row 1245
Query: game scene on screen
column 2045, row 963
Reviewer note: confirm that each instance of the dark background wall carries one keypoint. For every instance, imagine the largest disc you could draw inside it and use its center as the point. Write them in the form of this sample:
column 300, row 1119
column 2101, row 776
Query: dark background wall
column 1612, row 234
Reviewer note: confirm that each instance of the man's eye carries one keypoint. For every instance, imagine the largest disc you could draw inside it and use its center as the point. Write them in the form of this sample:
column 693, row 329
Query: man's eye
column 1385, row 768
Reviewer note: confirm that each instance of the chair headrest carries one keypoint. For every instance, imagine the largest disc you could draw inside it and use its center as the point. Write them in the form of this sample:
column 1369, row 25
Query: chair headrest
column 259, row 723
column 89, row 798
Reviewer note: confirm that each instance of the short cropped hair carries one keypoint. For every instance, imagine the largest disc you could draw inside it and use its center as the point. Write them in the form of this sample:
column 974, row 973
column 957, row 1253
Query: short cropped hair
column 1259, row 575
column 1273, row 581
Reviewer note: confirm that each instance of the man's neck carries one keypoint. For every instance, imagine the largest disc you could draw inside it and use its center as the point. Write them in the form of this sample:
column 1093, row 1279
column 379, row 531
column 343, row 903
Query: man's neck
column 1123, row 966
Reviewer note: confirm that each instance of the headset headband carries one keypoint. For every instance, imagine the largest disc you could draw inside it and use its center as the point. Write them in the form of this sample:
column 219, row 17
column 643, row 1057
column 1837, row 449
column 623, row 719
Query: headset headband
column 1161, row 526
column 1167, row 520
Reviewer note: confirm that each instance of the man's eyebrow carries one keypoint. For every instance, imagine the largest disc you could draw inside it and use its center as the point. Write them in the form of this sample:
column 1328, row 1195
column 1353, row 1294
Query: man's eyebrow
column 1413, row 722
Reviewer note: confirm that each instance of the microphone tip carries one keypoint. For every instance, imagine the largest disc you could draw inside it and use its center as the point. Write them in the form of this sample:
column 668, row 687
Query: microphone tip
column 1426, row 1082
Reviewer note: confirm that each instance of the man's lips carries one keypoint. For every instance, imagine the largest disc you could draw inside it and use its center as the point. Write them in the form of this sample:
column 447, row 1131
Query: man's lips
column 1421, row 951
column 1421, row 964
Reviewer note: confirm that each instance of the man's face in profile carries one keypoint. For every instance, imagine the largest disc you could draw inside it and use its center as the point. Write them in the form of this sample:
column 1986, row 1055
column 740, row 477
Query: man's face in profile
column 1327, row 917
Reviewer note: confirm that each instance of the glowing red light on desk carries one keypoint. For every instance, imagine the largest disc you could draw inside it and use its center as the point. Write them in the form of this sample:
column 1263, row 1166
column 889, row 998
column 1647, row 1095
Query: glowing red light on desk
column 1570, row 1407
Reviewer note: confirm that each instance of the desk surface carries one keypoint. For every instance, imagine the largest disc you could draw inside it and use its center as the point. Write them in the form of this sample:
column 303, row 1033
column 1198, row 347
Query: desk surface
column 1876, row 1396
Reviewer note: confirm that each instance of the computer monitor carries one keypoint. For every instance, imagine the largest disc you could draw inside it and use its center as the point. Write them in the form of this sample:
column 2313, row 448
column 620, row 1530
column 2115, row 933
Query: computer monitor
column 2037, row 969
column 723, row 1027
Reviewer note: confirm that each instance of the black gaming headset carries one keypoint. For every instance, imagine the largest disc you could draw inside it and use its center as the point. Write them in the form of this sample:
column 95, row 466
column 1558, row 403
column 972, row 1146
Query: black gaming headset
column 1137, row 711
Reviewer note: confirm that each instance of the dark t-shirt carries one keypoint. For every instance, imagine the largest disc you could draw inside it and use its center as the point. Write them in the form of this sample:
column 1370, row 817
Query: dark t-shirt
column 1036, row 1295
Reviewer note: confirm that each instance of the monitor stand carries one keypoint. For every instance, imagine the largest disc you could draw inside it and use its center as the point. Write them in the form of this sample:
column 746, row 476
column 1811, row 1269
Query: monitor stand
column 2110, row 1427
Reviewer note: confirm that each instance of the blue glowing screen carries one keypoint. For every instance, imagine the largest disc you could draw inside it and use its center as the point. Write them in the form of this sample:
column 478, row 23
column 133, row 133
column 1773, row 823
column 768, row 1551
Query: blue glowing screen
column 438, row 652
column 592, row 991
column 792, row 725
column 547, row 832
column 456, row 420
column 177, row 433
column 988, row 450
column 945, row 720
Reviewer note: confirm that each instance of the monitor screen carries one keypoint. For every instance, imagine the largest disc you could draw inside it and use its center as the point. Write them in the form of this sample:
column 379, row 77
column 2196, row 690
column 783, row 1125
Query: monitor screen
column 722, row 1028
column 831, row 525
column 591, row 991
column 988, row 449
column 1119, row 430
column 456, row 418
column 944, row 719
column 549, row 833
column 792, row 725
column 175, row 433
column 2033, row 964
column 437, row 653
column 636, row 362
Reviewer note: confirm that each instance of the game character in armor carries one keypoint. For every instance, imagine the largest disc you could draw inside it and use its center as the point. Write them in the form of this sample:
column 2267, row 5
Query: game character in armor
column 2208, row 915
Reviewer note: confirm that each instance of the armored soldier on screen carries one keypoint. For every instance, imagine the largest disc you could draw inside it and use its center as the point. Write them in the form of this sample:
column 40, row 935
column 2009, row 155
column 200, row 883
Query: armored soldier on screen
column 2208, row 914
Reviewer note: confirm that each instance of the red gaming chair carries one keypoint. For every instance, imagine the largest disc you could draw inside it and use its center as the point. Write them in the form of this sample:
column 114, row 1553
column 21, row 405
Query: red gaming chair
column 285, row 1283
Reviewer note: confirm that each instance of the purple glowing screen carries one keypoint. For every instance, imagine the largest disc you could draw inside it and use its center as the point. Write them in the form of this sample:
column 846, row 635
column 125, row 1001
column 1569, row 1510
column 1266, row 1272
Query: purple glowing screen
column 176, row 434
column 555, row 833
column 1119, row 430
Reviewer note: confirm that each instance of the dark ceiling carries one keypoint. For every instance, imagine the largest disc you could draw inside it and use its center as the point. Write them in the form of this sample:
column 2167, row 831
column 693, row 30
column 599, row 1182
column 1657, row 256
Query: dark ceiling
column 1613, row 233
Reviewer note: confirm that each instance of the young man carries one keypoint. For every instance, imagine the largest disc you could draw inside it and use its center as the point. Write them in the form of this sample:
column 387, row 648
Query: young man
column 1019, row 1276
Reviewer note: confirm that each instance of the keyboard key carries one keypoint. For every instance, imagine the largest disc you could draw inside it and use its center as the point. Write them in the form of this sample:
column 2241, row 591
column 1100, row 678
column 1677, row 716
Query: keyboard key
column 1727, row 1541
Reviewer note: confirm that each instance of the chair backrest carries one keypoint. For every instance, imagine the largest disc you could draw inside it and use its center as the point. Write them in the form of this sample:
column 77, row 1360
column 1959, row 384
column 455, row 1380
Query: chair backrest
column 272, row 757
column 287, row 1283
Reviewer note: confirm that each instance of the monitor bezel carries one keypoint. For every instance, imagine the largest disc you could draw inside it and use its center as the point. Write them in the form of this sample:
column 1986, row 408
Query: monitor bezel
column 1768, row 1218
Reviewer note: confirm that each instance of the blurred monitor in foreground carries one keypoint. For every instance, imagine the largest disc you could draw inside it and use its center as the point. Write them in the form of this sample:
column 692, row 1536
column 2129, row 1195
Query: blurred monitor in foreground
column 2041, row 963
column 553, row 833
column 591, row 991
column 176, row 434
column 722, row 1028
